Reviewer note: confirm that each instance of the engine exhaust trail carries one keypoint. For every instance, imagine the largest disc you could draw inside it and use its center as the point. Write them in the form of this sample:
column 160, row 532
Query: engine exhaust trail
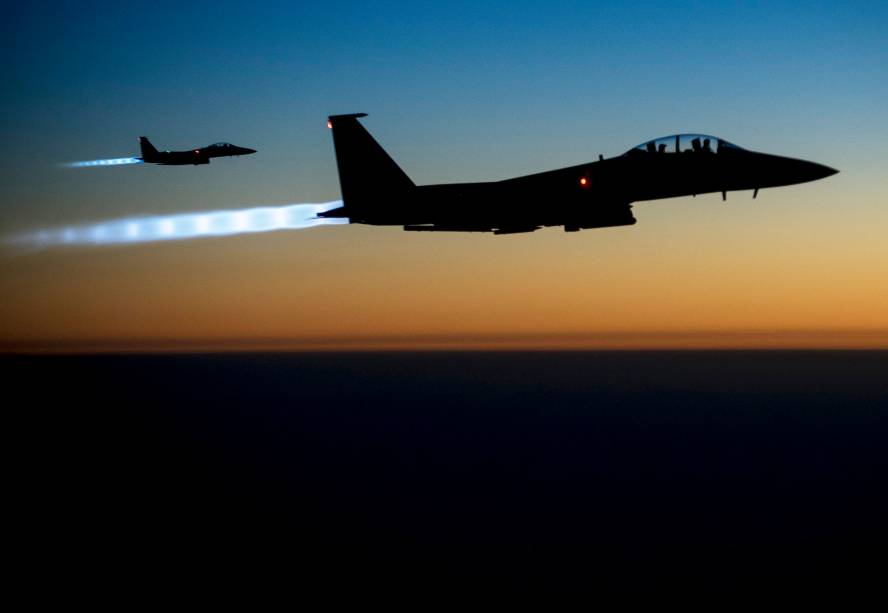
column 181, row 226
column 110, row 162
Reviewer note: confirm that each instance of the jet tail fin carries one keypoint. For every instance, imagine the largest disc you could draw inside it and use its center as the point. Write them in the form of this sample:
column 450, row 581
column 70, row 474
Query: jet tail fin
column 366, row 172
column 149, row 152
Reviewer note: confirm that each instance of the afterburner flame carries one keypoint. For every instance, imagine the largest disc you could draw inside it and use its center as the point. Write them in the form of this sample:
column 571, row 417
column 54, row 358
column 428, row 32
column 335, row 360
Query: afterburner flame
column 182, row 226
column 110, row 162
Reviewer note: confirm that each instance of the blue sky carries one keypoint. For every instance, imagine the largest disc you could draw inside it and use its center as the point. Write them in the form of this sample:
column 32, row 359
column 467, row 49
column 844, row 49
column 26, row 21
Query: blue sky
column 551, row 83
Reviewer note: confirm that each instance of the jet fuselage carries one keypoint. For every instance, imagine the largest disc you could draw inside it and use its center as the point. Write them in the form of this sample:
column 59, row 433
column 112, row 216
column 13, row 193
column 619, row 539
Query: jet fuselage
column 598, row 194
column 194, row 156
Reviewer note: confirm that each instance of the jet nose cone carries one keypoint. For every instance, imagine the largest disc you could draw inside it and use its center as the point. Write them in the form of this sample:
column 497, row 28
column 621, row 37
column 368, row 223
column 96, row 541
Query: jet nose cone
column 819, row 171
column 248, row 151
column 828, row 172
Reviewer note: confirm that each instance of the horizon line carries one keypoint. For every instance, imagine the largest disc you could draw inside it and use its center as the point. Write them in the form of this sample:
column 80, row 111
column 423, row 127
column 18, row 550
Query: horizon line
column 649, row 340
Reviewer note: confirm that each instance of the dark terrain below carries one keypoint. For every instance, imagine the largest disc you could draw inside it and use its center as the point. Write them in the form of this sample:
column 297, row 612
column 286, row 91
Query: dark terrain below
column 591, row 466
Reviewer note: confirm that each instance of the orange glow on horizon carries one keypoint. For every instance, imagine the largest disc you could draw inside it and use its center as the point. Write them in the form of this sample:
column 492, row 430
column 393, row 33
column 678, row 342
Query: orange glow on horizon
column 782, row 271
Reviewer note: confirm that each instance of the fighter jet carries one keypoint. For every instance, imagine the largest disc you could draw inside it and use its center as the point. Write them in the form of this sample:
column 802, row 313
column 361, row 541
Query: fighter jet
column 196, row 156
column 598, row 194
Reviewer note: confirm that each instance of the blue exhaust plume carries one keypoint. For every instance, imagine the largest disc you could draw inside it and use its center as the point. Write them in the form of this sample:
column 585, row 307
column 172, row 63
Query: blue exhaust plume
column 183, row 226
column 111, row 162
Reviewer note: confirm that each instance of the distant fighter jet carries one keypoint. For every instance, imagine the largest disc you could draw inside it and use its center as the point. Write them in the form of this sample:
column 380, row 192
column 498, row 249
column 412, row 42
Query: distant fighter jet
column 195, row 156
column 595, row 195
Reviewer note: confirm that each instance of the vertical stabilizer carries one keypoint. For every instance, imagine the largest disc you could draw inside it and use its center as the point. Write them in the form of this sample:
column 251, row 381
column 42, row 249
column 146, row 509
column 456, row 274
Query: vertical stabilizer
column 148, row 150
column 367, row 173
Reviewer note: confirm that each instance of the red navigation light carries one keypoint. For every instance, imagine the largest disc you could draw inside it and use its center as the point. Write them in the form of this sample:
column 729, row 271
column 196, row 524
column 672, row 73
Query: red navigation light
column 329, row 124
column 584, row 181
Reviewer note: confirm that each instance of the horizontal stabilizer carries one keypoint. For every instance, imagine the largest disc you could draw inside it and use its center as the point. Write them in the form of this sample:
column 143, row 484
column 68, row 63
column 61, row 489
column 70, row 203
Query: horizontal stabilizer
column 337, row 212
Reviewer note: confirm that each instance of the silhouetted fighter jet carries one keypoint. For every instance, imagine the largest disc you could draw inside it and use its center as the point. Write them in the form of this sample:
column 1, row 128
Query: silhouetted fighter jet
column 595, row 195
column 195, row 156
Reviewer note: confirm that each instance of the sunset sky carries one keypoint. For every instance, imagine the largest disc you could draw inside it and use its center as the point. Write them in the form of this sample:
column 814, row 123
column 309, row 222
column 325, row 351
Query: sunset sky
column 455, row 92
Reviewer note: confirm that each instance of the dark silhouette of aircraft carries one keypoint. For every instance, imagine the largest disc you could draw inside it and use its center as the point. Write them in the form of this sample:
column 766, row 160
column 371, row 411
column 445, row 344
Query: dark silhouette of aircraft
column 196, row 156
column 595, row 195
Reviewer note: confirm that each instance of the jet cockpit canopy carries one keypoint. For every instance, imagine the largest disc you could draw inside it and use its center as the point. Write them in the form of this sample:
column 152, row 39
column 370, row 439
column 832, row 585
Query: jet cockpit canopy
column 221, row 145
column 679, row 143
